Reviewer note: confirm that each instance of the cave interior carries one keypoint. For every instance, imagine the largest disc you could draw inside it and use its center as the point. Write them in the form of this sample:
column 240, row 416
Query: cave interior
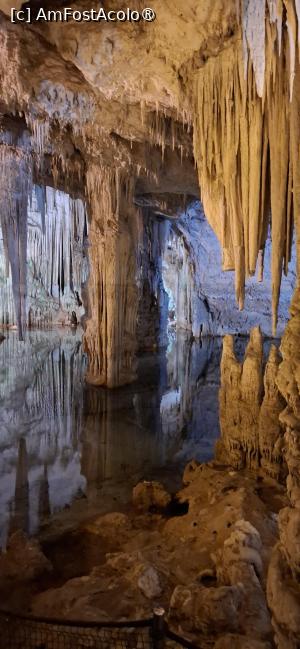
column 150, row 318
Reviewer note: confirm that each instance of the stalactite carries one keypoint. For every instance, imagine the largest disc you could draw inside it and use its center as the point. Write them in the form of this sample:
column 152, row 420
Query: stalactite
column 40, row 130
column 243, row 137
column 57, row 264
column 15, row 185
column 254, row 40
column 166, row 131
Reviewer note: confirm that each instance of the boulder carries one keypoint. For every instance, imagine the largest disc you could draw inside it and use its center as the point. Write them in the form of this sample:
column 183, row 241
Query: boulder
column 150, row 496
column 239, row 562
column 208, row 610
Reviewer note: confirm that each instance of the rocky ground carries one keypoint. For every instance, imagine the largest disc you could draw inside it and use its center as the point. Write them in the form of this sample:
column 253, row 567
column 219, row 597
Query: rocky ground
column 202, row 554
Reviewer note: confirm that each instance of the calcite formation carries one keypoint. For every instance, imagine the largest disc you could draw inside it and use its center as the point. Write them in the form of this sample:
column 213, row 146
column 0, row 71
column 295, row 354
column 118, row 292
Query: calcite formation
column 261, row 429
column 56, row 257
column 250, row 406
column 244, row 134
column 110, row 335
column 82, row 121
column 283, row 576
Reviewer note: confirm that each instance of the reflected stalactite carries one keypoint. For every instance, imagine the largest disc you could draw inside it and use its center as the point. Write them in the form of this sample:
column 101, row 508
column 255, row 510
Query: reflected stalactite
column 41, row 405
column 20, row 513
column 130, row 433
column 44, row 496
column 96, row 439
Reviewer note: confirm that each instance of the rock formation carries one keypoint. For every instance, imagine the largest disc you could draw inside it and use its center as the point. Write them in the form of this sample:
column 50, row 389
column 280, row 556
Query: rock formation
column 57, row 265
column 250, row 407
column 283, row 576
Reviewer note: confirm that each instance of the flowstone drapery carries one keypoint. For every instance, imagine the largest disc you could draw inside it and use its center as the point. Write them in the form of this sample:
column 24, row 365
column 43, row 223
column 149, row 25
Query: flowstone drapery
column 55, row 264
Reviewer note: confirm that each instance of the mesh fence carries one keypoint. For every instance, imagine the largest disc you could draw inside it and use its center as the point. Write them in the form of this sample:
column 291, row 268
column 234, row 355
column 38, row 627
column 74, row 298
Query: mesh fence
column 20, row 632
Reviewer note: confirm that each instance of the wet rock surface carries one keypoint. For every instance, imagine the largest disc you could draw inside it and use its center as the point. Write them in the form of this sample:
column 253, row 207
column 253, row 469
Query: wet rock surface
column 207, row 568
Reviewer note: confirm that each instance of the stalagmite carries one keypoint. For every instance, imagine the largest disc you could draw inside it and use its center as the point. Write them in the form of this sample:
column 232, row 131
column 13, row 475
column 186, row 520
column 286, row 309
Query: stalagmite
column 270, row 433
column 250, row 412
column 240, row 401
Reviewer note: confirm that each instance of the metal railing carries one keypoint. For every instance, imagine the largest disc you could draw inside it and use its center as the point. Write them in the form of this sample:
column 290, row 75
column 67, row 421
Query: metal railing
column 29, row 632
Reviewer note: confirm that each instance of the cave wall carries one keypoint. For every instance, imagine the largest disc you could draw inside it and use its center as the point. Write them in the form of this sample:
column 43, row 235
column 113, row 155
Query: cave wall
column 153, row 299
column 56, row 258
column 202, row 295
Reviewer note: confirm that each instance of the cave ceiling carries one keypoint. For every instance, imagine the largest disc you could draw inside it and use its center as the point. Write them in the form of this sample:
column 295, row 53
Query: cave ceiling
column 206, row 96
column 112, row 93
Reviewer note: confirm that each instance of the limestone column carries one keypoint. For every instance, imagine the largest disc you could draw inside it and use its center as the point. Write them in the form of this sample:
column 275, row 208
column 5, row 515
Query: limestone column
column 110, row 337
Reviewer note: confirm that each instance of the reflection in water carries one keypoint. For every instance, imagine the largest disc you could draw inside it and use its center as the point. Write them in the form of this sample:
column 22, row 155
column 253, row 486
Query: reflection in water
column 60, row 439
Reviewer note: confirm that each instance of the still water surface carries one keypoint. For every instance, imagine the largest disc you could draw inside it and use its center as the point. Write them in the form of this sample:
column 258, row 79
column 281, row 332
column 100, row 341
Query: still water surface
column 61, row 440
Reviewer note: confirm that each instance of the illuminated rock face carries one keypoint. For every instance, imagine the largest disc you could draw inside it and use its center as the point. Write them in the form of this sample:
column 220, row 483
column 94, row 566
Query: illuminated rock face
column 202, row 295
column 250, row 405
column 283, row 576
column 57, row 264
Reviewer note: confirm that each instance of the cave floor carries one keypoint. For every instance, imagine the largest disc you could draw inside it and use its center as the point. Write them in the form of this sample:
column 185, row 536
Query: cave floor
column 119, row 565
column 70, row 456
